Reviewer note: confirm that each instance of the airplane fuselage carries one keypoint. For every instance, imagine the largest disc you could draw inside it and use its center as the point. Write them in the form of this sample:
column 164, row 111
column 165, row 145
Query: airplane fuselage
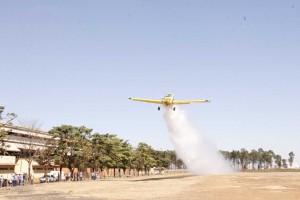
column 168, row 100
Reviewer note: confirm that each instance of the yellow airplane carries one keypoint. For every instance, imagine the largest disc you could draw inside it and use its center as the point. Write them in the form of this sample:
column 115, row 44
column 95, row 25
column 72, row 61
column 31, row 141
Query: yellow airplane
column 168, row 100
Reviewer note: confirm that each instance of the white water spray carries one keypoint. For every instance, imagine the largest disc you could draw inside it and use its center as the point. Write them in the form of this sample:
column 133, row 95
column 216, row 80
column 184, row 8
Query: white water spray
column 198, row 154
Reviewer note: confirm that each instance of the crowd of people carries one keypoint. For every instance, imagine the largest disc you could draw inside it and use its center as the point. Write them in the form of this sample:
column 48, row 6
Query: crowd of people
column 76, row 176
column 15, row 180
column 95, row 176
column 20, row 179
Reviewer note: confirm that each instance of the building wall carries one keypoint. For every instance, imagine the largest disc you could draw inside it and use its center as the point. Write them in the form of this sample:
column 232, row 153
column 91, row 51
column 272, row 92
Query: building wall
column 21, row 166
column 8, row 166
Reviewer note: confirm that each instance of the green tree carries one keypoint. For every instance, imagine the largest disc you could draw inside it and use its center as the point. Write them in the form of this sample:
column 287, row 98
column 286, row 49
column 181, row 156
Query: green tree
column 278, row 161
column 253, row 157
column 96, row 152
column 4, row 121
column 29, row 145
column 284, row 163
column 174, row 159
column 261, row 158
column 126, row 159
column 244, row 157
column 109, row 151
column 268, row 156
column 291, row 158
column 226, row 154
column 83, row 151
column 145, row 157
column 118, row 154
column 46, row 155
column 162, row 158
column 72, row 144
column 234, row 156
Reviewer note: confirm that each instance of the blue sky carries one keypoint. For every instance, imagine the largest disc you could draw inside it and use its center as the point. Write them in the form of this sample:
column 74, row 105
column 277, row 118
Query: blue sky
column 77, row 62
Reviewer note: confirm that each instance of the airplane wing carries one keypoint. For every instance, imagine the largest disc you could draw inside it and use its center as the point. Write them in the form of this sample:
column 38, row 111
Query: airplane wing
column 147, row 100
column 190, row 101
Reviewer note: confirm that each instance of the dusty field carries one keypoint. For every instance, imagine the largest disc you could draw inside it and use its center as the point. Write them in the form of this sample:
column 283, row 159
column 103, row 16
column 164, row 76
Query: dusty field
column 273, row 185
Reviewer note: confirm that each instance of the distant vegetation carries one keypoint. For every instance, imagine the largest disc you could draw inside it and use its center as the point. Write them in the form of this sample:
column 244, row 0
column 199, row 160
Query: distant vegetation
column 77, row 147
column 257, row 159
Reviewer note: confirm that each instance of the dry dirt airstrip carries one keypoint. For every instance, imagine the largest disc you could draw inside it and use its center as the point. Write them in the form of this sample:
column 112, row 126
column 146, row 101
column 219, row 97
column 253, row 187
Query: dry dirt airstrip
column 265, row 185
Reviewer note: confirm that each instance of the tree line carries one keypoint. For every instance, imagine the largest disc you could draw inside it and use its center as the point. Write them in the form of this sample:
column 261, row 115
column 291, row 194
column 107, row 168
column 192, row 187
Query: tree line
column 76, row 147
column 257, row 159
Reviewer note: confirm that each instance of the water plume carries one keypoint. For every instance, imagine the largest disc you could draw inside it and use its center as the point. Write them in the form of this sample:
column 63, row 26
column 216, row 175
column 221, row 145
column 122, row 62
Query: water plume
column 197, row 153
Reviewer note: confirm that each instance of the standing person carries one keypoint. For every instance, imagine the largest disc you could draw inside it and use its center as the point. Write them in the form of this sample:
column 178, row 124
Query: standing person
column 24, row 178
column 31, row 179
column 80, row 175
column 21, row 180
column 68, row 178
column 11, row 180
column 20, row 177
column 14, row 179
column 1, row 181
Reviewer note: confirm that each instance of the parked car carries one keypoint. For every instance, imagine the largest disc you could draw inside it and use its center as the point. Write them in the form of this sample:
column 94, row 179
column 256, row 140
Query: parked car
column 47, row 178
column 56, row 175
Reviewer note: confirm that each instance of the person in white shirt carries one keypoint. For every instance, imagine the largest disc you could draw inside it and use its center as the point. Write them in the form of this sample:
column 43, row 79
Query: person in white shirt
column 1, row 181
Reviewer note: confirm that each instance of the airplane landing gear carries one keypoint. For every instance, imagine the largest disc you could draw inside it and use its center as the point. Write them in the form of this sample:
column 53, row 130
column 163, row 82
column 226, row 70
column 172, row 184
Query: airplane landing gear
column 174, row 108
column 158, row 108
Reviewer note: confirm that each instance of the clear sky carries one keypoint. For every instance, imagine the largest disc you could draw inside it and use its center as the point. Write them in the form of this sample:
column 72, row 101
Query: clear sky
column 77, row 62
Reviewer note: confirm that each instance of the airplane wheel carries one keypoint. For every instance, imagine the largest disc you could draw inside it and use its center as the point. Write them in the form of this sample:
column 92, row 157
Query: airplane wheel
column 158, row 108
column 174, row 108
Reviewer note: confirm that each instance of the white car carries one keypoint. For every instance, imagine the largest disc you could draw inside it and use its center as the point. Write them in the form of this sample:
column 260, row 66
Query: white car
column 47, row 178
column 56, row 175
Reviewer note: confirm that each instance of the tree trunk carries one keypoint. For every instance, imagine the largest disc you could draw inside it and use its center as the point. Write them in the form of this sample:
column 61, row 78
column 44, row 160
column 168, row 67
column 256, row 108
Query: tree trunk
column 119, row 170
column 107, row 172
column 60, row 172
column 29, row 168
column 124, row 172
column 45, row 169
column 72, row 172
column 100, row 171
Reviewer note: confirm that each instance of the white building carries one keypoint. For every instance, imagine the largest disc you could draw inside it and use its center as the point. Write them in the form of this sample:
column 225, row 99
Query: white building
column 18, row 142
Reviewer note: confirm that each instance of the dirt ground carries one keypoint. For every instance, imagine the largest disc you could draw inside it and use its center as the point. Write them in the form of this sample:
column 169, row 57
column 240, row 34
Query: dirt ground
column 265, row 185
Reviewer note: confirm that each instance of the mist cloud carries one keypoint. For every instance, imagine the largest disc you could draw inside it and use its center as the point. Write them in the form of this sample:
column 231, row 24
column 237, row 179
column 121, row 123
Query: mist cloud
column 197, row 153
